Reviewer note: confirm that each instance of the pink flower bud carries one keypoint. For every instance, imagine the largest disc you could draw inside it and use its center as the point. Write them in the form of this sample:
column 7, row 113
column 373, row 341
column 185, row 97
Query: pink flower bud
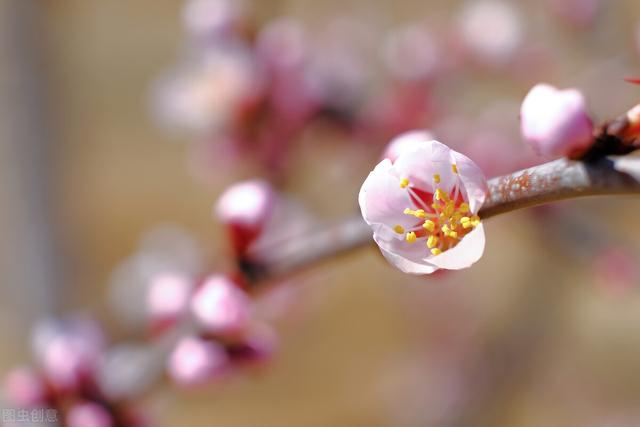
column 256, row 349
column 555, row 122
column 245, row 208
column 423, row 208
column 68, row 352
column 89, row 415
column 404, row 142
column 196, row 361
column 167, row 298
column 221, row 307
column 23, row 388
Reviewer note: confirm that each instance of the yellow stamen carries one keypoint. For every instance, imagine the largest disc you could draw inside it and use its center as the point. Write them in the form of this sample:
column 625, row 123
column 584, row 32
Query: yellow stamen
column 429, row 225
column 411, row 237
column 466, row 222
column 404, row 183
column 398, row 229
column 464, row 207
column 436, row 251
column 453, row 235
column 436, row 178
column 454, row 168
column 418, row 213
column 432, row 241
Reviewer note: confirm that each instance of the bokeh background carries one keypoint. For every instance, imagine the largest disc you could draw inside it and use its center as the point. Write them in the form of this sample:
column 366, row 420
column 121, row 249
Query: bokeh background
column 543, row 331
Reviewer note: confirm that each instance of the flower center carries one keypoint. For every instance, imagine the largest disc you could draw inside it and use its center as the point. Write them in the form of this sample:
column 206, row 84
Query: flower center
column 443, row 219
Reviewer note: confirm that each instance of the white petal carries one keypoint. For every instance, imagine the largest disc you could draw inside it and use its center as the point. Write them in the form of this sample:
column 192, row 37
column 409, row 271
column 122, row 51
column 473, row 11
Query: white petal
column 407, row 259
column 382, row 201
column 420, row 163
column 473, row 179
column 464, row 254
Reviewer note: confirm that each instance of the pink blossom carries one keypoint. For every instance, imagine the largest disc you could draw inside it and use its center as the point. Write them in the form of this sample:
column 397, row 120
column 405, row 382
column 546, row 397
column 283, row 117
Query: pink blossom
column 68, row 352
column 577, row 13
column 24, row 388
column 89, row 415
column 491, row 30
column 221, row 307
column 244, row 208
column 196, row 361
column 411, row 53
column 423, row 208
column 168, row 297
column 555, row 122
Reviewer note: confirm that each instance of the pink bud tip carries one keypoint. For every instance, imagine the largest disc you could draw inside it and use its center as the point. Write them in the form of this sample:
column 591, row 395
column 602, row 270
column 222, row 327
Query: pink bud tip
column 168, row 297
column 245, row 207
column 89, row 415
column 555, row 122
column 204, row 18
column 23, row 388
column 196, row 361
column 221, row 307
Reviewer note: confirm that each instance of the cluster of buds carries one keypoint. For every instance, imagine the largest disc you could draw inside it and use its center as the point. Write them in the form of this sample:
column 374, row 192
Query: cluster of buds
column 223, row 335
column 63, row 388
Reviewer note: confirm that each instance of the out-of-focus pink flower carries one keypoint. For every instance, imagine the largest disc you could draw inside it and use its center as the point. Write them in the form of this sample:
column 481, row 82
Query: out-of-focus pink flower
column 245, row 208
column 411, row 53
column 89, row 414
column 555, row 122
column 213, row 18
column 423, row 208
column 167, row 298
column 68, row 352
column 405, row 142
column 221, row 307
column 23, row 388
column 577, row 13
column 617, row 267
column 196, row 361
column 491, row 30
column 211, row 92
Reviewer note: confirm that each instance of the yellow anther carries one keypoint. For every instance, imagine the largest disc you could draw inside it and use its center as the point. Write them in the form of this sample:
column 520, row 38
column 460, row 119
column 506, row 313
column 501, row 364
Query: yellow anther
column 419, row 213
column 475, row 220
column 435, row 206
column 398, row 229
column 436, row 178
column 446, row 230
column 453, row 234
column 411, row 237
column 464, row 207
column 432, row 241
column 404, row 183
column 448, row 209
column 466, row 222
column 436, row 251
column 454, row 168
column 429, row 225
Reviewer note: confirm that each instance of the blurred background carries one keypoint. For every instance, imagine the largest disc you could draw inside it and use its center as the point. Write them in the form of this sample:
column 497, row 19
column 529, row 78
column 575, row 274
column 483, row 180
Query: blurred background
column 544, row 330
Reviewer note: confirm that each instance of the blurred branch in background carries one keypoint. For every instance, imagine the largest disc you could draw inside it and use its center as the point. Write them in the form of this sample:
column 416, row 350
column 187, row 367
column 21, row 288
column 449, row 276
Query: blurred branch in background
column 32, row 269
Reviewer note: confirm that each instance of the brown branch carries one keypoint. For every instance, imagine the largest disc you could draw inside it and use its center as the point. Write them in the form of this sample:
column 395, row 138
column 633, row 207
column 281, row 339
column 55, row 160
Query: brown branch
column 561, row 179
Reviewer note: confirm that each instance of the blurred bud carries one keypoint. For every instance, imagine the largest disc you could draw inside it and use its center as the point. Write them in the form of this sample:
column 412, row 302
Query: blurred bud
column 213, row 18
column 576, row 13
column 555, row 122
column 167, row 298
column 68, row 351
column 256, row 349
column 404, row 142
column 89, row 415
column 24, row 388
column 211, row 92
column 126, row 370
column 244, row 208
column 283, row 44
column 196, row 361
column 221, row 307
column 491, row 30
column 411, row 53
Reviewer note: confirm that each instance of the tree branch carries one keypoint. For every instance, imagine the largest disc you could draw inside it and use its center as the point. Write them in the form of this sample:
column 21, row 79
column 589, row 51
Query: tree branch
column 561, row 179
